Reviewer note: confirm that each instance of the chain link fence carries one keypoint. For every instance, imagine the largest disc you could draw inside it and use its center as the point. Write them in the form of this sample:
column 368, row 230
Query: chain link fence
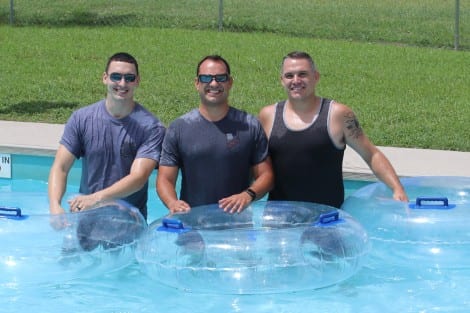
column 431, row 23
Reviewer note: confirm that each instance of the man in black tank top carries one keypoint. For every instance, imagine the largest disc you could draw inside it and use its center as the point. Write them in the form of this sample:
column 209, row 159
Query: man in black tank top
column 307, row 138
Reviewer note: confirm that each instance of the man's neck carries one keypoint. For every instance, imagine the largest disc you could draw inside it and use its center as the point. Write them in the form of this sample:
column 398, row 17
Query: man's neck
column 300, row 114
column 308, row 105
column 214, row 113
column 119, row 109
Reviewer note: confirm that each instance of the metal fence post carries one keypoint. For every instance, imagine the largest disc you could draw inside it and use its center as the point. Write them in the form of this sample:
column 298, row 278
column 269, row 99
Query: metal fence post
column 12, row 13
column 221, row 14
column 457, row 25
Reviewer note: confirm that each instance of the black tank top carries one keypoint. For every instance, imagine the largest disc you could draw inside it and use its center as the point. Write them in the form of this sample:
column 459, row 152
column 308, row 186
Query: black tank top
column 307, row 165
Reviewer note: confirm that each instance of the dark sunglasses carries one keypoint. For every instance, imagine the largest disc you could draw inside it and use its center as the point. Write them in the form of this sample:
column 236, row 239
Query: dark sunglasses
column 206, row 78
column 116, row 77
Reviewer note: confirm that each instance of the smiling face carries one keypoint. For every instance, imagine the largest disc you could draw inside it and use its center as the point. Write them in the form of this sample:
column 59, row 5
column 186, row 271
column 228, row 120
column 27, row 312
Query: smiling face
column 215, row 92
column 120, row 86
column 299, row 78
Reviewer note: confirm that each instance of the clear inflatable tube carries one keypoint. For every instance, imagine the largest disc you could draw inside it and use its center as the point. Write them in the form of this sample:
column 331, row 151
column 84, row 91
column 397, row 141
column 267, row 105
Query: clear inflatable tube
column 430, row 232
column 92, row 243
column 270, row 247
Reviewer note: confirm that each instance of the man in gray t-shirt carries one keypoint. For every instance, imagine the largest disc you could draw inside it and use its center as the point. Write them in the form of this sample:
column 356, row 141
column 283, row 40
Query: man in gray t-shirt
column 221, row 151
column 118, row 140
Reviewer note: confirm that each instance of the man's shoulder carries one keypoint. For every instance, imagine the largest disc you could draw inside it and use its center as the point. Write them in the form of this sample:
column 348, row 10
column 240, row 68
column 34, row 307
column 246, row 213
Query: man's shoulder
column 237, row 115
column 84, row 114
column 268, row 110
column 90, row 109
column 189, row 118
column 338, row 108
column 143, row 114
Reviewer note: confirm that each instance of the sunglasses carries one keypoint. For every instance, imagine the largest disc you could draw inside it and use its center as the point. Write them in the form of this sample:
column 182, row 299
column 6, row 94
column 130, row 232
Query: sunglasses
column 128, row 78
column 206, row 78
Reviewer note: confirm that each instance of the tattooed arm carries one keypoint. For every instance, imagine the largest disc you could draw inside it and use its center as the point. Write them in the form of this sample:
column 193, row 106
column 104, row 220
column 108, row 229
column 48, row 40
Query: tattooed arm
column 347, row 131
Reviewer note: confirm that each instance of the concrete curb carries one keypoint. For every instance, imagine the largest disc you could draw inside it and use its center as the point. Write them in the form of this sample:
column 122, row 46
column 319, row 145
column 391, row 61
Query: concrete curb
column 43, row 139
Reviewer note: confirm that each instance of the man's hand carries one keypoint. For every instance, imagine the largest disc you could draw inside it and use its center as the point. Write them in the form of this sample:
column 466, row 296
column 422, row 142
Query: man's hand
column 235, row 203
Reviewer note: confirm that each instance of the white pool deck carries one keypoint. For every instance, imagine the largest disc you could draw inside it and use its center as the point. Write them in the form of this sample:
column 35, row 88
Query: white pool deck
column 43, row 139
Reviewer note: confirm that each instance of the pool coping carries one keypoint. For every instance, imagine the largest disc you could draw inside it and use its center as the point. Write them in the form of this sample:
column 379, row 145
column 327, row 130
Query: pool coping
column 43, row 139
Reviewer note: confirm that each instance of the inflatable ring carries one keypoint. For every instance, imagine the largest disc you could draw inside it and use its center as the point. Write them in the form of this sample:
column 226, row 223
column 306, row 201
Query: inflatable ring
column 88, row 243
column 429, row 233
column 270, row 247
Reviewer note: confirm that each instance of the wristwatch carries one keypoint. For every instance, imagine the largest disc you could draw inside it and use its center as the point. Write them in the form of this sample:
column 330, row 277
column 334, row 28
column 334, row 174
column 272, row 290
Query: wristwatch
column 251, row 193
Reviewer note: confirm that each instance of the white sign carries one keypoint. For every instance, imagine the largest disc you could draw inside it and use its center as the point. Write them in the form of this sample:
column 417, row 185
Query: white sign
column 5, row 166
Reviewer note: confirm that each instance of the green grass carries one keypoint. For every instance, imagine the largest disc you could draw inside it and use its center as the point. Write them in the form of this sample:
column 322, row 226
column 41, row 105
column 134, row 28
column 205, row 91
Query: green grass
column 404, row 96
column 390, row 60
column 424, row 23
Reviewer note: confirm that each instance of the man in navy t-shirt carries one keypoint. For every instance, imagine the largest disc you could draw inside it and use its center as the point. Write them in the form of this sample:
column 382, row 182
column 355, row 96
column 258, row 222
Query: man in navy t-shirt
column 222, row 152
column 118, row 140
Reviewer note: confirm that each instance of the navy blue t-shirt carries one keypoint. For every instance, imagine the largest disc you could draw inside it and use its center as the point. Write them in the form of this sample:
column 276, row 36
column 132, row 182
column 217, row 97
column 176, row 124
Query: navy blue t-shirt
column 215, row 158
column 109, row 146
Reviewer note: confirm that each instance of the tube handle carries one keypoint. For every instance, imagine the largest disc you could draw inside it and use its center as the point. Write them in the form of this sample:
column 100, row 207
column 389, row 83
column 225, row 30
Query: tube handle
column 6, row 211
column 330, row 218
column 173, row 225
column 432, row 203
column 11, row 213
column 420, row 200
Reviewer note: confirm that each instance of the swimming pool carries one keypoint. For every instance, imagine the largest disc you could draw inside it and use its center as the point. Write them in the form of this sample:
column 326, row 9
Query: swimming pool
column 370, row 290
column 30, row 174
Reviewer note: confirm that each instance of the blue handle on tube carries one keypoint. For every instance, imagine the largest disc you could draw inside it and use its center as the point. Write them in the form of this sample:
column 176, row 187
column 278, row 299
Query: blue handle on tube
column 11, row 213
column 173, row 226
column 432, row 203
column 330, row 218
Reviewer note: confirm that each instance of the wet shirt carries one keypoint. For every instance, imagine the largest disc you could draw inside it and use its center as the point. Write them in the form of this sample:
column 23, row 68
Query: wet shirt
column 215, row 158
column 307, row 165
column 108, row 146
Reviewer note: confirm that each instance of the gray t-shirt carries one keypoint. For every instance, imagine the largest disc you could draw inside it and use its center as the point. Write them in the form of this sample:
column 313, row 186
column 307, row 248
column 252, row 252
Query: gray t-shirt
column 109, row 145
column 215, row 158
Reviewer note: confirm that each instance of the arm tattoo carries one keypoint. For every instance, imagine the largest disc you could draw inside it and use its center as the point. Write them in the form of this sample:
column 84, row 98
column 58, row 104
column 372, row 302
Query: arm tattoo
column 352, row 126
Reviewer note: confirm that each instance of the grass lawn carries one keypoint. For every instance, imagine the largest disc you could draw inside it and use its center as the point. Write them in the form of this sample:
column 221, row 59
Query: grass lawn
column 384, row 59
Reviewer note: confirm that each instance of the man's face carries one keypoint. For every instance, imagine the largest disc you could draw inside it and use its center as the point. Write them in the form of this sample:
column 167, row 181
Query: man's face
column 121, row 80
column 213, row 83
column 298, row 78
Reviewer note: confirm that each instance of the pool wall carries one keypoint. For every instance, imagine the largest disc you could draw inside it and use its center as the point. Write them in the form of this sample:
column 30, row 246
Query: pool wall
column 37, row 167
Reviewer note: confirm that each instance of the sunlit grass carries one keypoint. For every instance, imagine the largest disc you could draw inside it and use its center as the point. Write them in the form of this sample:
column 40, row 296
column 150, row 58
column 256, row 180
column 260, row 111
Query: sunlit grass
column 428, row 23
column 404, row 96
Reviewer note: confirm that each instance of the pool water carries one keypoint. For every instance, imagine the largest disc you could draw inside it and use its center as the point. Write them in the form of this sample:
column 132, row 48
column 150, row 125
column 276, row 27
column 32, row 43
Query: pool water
column 372, row 289
column 30, row 174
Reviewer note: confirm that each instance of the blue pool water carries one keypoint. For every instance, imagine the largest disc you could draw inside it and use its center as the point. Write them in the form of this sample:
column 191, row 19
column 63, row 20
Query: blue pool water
column 372, row 289
column 30, row 174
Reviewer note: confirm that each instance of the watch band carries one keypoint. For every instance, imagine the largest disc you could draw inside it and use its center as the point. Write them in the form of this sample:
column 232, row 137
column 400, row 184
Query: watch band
column 251, row 193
